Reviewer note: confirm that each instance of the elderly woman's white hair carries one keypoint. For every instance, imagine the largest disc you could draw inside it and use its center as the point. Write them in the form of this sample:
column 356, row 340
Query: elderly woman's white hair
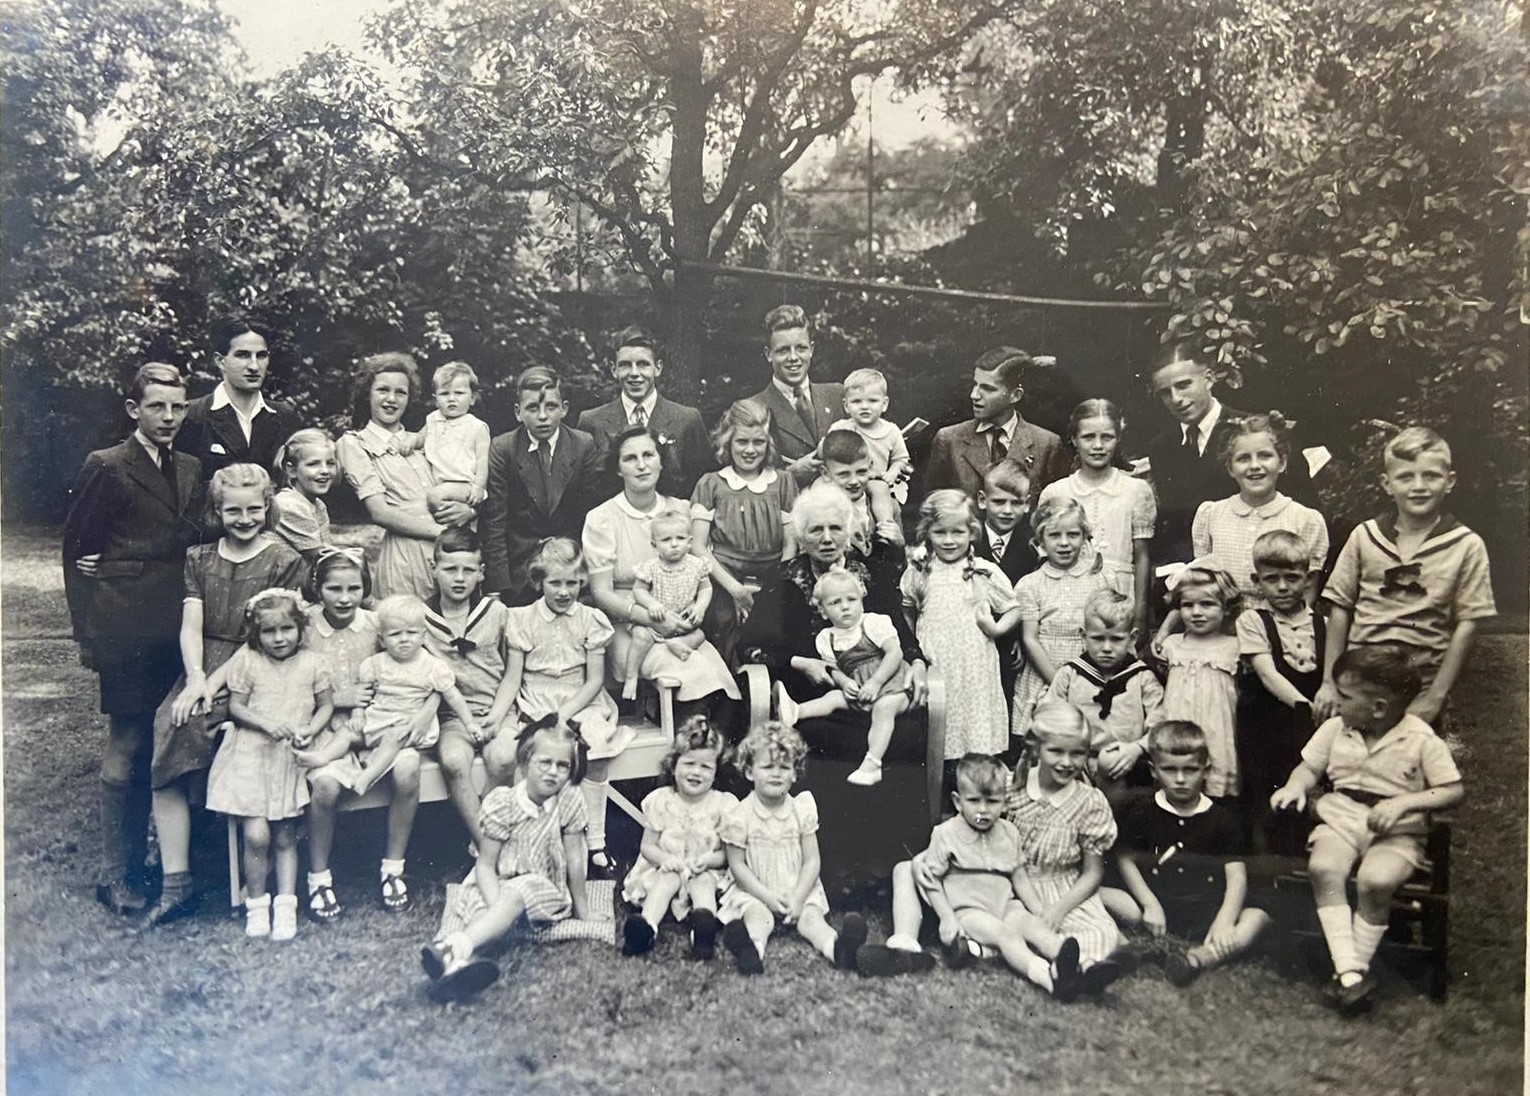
column 825, row 498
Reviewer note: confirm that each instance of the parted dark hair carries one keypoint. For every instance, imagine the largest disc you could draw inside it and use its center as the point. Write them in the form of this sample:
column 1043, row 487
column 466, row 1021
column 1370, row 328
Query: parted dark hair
column 695, row 732
column 983, row 772
column 1385, row 666
column 526, row 743
column 843, row 447
column 229, row 328
column 455, row 538
column 1008, row 362
column 1179, row 352
column 374, row 366
column 786, row 317
column 614, row 457
column 153, row 373
column 337, row 559
column 1091, row 409
column 537, row 378
column 1178, row 738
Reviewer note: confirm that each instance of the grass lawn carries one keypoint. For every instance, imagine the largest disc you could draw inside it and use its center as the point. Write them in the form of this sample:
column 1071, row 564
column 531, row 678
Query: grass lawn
column 194, row 1008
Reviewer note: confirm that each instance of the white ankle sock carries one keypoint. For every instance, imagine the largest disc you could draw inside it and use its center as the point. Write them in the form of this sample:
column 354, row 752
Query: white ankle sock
column 595, row 803
column 1038, row 970
column 1336, row 922
column 392, row 867
column 317, row 879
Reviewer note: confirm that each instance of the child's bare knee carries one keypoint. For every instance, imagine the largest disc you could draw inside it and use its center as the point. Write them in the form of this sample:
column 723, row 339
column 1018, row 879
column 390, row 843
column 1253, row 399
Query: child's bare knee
column 324, row 793
column 406, row 770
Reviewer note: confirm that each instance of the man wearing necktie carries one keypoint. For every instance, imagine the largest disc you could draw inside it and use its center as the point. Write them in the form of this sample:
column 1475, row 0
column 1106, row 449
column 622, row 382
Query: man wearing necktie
column 961, row 455
column 799, row 409
column 133, row 513
column 636, row 365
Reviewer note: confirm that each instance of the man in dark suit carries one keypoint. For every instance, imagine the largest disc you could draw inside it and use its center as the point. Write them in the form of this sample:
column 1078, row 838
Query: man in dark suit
column 961, row 455
column 800, row 411
column 133, row 513
column 543, row 478
column 235, row 423
column 683, row 443
column 1185, row 461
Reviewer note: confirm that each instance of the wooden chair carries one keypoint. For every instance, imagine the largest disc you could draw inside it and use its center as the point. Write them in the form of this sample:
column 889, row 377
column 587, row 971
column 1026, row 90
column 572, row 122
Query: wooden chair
column 640, row 760
column 1420, row 920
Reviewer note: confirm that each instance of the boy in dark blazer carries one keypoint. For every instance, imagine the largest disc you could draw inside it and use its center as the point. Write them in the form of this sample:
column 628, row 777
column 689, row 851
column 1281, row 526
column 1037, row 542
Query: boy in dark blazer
column 1004, row 537
column 800, row 411
column 543, row 478
column 961, row 455
column 235, row 423
column 636, row 366
column 134, row 511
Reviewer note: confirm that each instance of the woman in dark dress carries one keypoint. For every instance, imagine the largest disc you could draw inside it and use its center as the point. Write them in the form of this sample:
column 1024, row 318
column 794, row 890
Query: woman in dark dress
column 863, row 831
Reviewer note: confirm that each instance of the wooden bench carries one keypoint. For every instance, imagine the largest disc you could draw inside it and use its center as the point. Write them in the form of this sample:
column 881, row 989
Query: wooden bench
column 640, row 760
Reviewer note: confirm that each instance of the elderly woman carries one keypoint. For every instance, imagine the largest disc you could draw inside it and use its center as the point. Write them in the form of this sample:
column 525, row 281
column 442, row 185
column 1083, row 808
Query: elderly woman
column 616, row 540
column 864, row 830
column 392, row 485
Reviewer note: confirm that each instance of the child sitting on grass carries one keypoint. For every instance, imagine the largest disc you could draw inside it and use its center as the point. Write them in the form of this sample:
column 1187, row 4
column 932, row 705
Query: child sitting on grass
column 1415, row 576
column 1180, row 856
column 866, row 663
column 531, row 862
column 682, row 865
column 973, row 877
column 771, row 839
column 1388, row 769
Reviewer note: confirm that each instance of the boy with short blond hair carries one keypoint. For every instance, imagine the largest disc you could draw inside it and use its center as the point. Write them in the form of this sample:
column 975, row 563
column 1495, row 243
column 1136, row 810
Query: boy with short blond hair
column 1415, row 576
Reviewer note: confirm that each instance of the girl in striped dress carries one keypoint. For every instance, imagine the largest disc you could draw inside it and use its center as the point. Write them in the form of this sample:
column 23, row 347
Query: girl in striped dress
column 1065, row 829
column 531, row 861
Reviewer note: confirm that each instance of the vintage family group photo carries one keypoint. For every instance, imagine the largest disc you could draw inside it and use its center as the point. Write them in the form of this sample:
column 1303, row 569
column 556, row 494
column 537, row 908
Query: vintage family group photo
column 778, row 546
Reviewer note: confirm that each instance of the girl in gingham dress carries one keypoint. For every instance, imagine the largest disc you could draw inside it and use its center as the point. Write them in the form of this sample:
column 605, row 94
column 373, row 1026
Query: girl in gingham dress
column 530, row 862
column 1223, row 532
column 771, row 839
column 1065, row 830
column 1052, row 600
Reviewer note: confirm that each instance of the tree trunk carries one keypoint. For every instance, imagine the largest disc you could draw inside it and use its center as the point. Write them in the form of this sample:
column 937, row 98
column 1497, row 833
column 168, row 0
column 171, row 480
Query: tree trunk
column 687, row 299
column 1184, row 140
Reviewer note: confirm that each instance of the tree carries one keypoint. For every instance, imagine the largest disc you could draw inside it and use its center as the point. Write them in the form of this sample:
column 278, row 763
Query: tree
column 673, row 122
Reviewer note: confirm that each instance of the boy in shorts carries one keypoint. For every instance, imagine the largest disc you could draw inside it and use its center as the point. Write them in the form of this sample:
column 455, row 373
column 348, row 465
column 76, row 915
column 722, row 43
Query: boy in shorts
column 467, row 631
column 1180, row 857
column 1387, row 769
column 1415, row 576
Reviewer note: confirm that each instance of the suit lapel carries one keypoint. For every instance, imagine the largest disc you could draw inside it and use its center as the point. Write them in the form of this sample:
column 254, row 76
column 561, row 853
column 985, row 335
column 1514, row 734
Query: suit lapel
column 975, row 450
column 224, row 422
column 785, row 416
column 823, row 406
column 142, row 470
column 528, row 467
column 1022, row 447
column 562, row 469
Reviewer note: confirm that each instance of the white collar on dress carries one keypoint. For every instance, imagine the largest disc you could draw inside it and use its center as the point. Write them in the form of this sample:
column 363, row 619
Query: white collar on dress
column 757, row 486
column 1202, row 805
column 1111, row 485
column 321, row 624
column 1276, row 504
column 659, row 503
column 523, row 801
column 1058, row 798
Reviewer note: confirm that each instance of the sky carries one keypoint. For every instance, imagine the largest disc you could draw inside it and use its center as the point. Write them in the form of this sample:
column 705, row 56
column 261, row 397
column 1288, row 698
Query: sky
column 276, row 33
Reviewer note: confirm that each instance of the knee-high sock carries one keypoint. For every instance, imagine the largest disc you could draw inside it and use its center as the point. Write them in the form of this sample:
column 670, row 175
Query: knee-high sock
column 595, row 804
column 1335, row 921
column 1367, row 938
column 114, row 810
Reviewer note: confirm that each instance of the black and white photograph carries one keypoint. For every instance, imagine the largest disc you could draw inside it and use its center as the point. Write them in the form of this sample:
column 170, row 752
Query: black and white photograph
column 776, row 547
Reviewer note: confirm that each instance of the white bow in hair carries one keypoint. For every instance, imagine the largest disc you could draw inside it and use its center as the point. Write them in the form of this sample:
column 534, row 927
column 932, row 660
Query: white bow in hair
column 1174, row 573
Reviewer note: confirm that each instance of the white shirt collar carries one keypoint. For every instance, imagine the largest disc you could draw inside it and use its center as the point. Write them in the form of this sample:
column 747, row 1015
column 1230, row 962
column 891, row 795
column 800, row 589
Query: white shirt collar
column 221, row 399
column 552, row 442
column 758, row 486
column 1007, row 428
column 791, row 393
column 648, row 405
column 1213, row 416
column 1202, row 805
column 148, row 447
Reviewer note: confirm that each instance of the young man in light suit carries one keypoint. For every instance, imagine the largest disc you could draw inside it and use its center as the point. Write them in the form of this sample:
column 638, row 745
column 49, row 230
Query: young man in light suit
column 800, row 411
column 543, row 478
column 235, row 423
column 961, row 455
column 134, row 510
column 687, row 450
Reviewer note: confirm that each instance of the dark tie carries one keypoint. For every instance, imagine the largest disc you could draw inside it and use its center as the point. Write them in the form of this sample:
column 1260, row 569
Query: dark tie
column 804, row 407
column 996, row 447
column 1192, row 442
column 544, row 460
column 639, row 416
column 167, row 469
